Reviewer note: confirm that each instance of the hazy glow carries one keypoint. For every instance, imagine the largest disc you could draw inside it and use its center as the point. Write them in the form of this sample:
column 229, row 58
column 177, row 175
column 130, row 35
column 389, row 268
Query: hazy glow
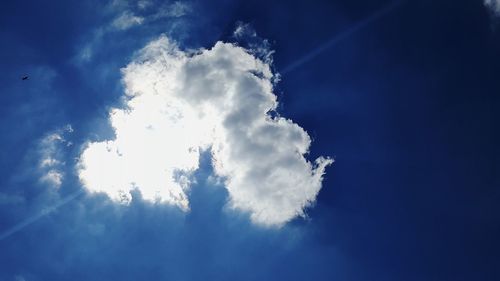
column 179, row 103
column 494, row 5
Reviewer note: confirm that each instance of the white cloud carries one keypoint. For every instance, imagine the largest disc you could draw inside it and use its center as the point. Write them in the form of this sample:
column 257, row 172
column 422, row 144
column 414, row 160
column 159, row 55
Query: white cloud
column 127, row 20
column 246, row 36
column 180, row 103
column 50, row 150
column 53, row 177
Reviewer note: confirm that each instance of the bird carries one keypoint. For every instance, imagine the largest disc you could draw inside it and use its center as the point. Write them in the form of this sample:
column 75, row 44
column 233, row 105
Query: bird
column 25, row 78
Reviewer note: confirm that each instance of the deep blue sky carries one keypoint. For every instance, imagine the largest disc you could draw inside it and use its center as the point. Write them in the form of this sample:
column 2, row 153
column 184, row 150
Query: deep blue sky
column 407, row 105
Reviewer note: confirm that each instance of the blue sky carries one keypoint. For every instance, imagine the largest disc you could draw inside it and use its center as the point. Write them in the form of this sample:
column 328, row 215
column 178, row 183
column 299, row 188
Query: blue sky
column 403, row 96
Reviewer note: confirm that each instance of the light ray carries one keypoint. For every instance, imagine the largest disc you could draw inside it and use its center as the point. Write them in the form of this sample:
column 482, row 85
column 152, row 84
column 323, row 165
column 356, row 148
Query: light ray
column 46, row 211
column 343, row 35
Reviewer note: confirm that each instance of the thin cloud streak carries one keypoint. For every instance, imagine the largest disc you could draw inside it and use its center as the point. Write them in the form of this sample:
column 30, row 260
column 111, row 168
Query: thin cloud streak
column 43, row 213
column 343, row 35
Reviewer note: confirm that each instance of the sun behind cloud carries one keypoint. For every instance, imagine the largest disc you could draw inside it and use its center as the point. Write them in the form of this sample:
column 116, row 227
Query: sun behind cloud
column 181, row 103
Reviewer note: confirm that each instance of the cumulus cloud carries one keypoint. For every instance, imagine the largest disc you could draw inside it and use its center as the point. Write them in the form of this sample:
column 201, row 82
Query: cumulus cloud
column 50, row 150
column 493, row 5
column 178, row 104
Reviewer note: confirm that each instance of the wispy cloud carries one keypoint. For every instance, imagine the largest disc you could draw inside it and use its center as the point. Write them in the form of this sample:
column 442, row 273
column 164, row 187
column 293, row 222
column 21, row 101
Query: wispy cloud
column 493, row 5
column 173, row 10
column 246, row 36
column 50, row 150
column 143, row 4
column 127, row 20
column 127, row 15
column 243, row 30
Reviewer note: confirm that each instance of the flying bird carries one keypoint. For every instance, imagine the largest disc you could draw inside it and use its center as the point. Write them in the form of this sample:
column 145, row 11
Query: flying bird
column 25, row 77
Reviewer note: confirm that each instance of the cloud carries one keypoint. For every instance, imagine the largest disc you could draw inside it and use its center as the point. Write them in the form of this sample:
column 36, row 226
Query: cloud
column 53, row 177
column 168, row 10
column 176, row 9
column 50, row 150
column 246, row 36
column 143, row 4
column 493, row 5
column 127, row 20
column 243, row 29
column 178, row 104
column 120, row 16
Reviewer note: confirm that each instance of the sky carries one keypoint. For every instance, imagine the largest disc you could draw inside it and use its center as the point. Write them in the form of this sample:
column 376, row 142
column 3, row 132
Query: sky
column 250, row 140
